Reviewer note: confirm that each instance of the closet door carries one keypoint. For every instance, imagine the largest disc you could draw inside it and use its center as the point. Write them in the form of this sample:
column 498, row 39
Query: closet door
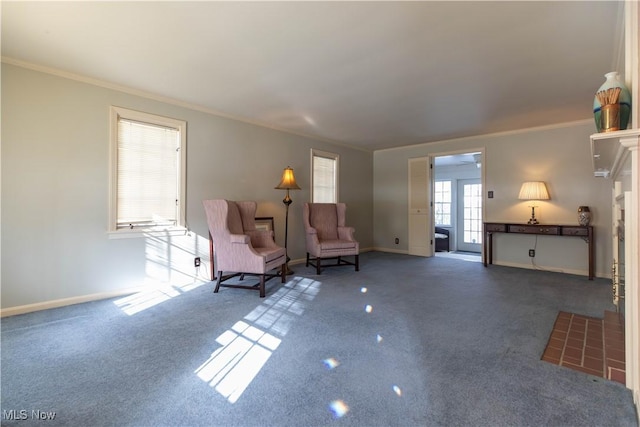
column 420, row 218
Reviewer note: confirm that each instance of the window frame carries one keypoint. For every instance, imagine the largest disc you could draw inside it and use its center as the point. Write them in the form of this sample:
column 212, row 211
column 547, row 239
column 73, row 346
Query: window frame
column 117, row 113
column 331, row 156
column 450, row 203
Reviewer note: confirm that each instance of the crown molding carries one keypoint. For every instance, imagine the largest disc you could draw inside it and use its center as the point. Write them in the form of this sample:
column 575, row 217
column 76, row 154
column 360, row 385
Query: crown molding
column 167, row 100
column 492, row 135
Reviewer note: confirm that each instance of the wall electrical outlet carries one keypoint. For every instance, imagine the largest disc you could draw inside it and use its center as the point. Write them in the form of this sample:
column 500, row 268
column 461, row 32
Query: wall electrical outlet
column 196, row 262
column 532, row 253
column 397, row 240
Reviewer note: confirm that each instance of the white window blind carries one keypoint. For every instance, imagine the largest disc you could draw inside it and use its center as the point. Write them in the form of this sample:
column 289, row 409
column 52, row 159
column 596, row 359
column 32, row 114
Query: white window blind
column 148, row 172
column 325, row 185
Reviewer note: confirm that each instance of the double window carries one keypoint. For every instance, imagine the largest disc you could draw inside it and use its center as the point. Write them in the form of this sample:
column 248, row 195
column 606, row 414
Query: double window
column 324, row 176
column 147, row 172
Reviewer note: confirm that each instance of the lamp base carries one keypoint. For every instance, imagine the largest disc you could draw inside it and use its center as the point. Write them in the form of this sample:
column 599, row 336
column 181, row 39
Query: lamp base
column 533, row 220
column 287, row 270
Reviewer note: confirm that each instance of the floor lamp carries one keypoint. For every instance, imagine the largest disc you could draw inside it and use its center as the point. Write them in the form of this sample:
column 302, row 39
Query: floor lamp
column 288, row 182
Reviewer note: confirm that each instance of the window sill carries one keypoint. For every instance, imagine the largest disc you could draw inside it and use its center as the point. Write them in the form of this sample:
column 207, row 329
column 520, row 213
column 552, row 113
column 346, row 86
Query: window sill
column 147, row 232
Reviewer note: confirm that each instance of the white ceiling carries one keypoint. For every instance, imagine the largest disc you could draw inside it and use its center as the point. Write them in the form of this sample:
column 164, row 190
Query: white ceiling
column 368, row 74
column 464, row 159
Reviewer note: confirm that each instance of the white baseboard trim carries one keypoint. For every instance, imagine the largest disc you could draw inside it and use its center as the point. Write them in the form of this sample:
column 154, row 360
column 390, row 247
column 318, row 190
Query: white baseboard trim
column 392, row 251
column 542, row 268
column 45, row 305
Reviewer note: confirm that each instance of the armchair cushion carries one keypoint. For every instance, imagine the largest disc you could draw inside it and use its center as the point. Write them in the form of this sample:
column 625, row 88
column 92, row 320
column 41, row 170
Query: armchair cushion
column 269, row 254
column 330, row 245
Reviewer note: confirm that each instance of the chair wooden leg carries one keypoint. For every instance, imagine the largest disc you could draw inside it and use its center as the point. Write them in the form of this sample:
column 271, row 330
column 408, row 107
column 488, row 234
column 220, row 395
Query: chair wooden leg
column 283, row 273
column 357, row 263
column 318, row 266
column 262, row 292
column 218, row 282
column 307, row 265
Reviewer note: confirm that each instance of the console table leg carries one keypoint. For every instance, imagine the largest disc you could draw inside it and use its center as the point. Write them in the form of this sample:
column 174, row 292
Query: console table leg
column 591, row 250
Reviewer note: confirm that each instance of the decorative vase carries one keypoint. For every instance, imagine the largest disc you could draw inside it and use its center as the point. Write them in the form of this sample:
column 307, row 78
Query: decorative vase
column 584, row 215
column 607, row 118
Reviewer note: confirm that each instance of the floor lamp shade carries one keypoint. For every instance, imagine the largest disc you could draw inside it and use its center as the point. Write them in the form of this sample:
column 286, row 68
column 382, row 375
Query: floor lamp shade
column 533, row 190
column 288, row 181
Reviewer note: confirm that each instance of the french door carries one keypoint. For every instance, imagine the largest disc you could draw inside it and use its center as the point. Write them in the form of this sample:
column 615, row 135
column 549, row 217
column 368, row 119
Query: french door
column 469, row 235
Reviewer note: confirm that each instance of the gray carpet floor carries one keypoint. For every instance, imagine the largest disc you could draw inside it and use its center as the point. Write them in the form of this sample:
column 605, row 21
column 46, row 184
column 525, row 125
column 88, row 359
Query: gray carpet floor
column 407, row 341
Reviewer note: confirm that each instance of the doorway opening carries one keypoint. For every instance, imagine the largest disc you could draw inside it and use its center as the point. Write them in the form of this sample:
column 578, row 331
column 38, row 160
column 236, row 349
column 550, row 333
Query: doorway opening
column 458, row 203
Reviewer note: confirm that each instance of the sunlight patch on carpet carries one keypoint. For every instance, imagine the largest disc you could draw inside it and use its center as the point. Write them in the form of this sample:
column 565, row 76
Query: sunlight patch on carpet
column 152, row 296
column 246, row 347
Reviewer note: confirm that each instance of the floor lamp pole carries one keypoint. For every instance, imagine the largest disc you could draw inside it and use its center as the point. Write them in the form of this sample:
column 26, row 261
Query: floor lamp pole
column 287, row 201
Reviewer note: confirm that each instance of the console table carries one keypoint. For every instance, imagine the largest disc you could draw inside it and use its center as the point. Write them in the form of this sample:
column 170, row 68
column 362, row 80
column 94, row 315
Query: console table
column 586, row 232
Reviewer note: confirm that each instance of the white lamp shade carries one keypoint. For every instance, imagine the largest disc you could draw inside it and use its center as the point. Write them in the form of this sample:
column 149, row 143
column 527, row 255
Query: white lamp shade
column 534, row 190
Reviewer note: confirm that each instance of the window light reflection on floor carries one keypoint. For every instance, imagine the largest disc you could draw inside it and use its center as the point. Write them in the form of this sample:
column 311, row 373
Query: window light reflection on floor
column 246, row 347
column 397, row 390
column 167, row 274
column 339, row 408
column 331, row 363
column 151, row 296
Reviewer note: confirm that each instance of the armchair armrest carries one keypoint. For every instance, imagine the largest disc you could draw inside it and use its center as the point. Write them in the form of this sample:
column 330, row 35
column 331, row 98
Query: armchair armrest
column 346, row 233
column 312, row 238
column 239, row 238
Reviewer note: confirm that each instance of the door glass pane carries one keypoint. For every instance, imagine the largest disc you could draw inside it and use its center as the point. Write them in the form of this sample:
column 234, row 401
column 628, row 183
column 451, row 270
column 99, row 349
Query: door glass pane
column 472, row 211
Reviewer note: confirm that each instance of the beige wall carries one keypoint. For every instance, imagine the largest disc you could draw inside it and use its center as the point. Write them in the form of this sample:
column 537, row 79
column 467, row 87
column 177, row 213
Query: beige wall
column 559, row 155
column 55, row 144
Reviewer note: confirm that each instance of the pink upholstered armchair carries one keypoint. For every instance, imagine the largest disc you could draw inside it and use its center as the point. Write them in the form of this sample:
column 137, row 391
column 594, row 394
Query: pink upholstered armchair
column 327, row 236
column 240, row 249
